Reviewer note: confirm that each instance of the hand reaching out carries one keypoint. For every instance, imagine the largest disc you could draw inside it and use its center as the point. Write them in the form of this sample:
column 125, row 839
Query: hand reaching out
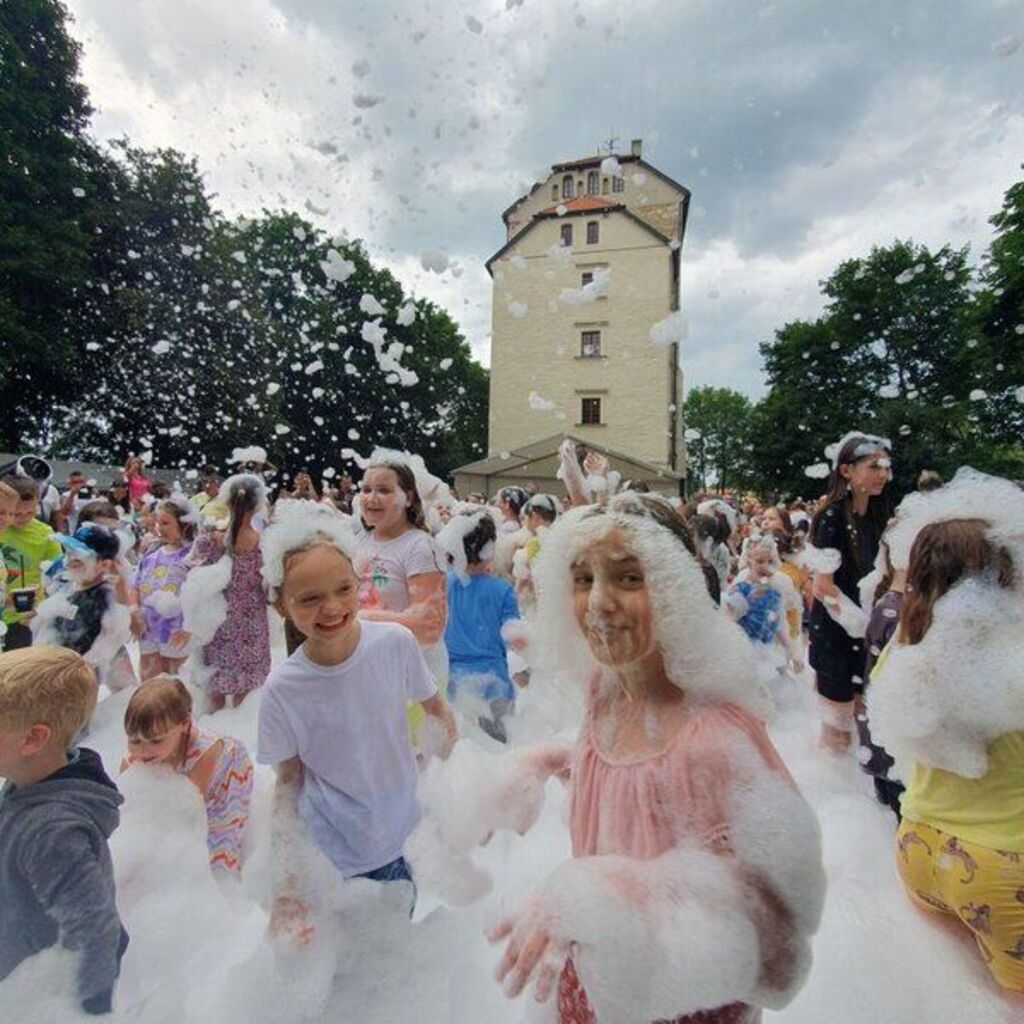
column 535, row 950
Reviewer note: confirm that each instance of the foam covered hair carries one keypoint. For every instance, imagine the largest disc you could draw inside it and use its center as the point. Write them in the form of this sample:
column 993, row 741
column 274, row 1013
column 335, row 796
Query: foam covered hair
column 969, row 495
column 451, row 539
column 871, row 443
column 296, row 526
column 242, row 482
column 430, row 488
column 705, row 653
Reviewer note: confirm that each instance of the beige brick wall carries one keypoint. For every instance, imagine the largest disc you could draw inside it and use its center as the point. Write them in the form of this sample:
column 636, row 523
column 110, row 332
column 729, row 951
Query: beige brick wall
column 539, row 351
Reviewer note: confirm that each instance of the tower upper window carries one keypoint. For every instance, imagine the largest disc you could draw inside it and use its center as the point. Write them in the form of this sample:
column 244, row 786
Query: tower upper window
column 593, row 182
column 590, row 410
column 554, row 191
column 567, row 187
column 590, row 344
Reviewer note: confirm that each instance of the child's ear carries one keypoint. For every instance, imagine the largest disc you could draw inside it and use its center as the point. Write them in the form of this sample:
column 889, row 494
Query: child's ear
column 279, row 606
column 36, row 737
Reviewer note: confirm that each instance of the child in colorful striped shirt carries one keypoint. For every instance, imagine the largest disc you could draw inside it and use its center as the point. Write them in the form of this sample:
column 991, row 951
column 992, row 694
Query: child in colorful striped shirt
column 160, row 729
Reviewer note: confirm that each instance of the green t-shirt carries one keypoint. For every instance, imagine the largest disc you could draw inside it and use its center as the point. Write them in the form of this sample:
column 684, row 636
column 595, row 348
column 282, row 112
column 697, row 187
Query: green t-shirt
column 25, row 548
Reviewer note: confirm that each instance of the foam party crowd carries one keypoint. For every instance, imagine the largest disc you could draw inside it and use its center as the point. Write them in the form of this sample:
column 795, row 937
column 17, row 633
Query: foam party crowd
column 388, row 753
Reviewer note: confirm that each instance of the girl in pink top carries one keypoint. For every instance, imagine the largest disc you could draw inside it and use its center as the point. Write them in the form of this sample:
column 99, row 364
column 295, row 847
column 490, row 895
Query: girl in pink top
column 136, row 479
column 696, row 878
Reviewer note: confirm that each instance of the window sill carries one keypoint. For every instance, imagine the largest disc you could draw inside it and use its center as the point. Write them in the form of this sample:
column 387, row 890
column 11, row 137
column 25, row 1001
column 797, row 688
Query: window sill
column 590, row 424
column 590, row 358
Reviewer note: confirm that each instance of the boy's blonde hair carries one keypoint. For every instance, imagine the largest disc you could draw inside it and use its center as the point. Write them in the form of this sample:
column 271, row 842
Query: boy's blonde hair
column 8, row 495
column 46, row 685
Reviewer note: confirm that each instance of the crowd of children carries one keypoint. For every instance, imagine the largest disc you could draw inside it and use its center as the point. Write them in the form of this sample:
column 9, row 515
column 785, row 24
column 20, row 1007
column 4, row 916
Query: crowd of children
column 412, row 616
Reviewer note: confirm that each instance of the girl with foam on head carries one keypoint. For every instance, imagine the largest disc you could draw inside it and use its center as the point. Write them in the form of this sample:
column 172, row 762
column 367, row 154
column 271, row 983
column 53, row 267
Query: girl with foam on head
column 223, row 601
column 696, row 877
column 848, row 526
column 160, row 729
column 947, row 701
column 332, row 719
column 401, row 574
column 161, row 573
column 761, row 597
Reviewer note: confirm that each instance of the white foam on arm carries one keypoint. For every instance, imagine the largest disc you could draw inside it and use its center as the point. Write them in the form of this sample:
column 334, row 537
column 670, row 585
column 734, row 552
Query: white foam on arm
column 690, row 929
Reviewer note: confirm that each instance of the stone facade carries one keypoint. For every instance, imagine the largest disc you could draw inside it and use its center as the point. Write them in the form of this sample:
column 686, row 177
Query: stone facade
column 549, row 353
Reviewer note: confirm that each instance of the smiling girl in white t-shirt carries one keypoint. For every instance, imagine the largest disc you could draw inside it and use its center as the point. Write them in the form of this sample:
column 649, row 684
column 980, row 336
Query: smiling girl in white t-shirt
column 332, row 720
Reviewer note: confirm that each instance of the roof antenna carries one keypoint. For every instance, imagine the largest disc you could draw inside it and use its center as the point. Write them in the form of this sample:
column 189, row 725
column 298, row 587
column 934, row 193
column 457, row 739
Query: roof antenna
column 609, row 145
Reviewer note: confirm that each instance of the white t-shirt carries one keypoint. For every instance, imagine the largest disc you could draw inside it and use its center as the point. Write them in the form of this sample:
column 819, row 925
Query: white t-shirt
column 347, row 725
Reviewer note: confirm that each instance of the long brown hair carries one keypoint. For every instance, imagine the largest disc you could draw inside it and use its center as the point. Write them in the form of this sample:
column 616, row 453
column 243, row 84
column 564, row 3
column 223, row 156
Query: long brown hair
column 942, row 555
column 839, row 492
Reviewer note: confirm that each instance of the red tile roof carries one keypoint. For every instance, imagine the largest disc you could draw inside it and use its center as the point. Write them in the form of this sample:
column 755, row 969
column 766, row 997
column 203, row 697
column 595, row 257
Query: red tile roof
column 582, row 204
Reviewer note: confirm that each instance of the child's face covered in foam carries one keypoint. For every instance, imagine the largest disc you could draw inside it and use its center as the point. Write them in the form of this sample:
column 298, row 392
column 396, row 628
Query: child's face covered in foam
column 611, row 601
column 383, row 502
column 321, row 594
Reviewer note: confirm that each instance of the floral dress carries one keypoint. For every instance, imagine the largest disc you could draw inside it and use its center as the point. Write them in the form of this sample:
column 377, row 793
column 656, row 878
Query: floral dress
column 239, row 652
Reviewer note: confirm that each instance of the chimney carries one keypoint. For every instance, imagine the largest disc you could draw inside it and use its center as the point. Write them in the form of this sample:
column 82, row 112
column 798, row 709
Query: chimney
column 636, row 147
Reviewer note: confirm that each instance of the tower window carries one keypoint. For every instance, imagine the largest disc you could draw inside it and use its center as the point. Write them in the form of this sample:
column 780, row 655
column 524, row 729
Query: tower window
column 590, row 344
column 618, row 184
column 567, row 187
column 593, row 178
column 604, row 185
column 590, row 410
column 593, row 232
column 554, row 191
column 586, row 278
column 566, row 234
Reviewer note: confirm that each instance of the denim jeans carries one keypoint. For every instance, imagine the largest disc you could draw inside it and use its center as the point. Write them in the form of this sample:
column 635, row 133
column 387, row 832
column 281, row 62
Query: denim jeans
column 396, row 871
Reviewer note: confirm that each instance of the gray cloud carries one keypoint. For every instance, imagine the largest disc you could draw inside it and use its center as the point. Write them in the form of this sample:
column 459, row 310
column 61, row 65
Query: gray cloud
column 807, row 131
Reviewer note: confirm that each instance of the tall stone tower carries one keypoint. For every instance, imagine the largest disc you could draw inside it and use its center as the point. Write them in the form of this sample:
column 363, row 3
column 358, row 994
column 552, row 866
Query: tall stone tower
column 590, row 265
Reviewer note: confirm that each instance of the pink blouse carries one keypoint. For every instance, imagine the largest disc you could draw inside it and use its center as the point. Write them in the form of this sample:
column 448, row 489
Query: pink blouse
column 642, row 807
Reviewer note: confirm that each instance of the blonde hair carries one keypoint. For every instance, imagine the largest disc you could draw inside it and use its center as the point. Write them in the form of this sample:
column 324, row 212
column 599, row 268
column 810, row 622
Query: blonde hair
column 47, row 685
column 8, row 493
column 157, row 705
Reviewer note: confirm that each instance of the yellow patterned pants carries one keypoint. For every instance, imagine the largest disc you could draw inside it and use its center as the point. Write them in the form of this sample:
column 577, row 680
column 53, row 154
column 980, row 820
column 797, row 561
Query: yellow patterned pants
column 982, row 888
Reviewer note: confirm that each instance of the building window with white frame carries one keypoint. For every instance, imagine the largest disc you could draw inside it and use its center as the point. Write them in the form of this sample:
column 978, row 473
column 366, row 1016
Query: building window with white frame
column 567, row 187
column 618, row 183
column 593, row 182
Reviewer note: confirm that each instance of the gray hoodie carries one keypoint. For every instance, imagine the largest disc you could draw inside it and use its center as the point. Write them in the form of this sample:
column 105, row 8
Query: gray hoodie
column 56, row 877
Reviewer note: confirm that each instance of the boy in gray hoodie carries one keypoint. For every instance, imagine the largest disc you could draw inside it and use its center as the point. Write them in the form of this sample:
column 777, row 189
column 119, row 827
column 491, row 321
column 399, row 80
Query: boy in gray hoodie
column 57, row 811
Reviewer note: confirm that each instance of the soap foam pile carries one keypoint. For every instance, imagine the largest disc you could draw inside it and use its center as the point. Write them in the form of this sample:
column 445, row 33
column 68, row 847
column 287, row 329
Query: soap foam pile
column 199, row 949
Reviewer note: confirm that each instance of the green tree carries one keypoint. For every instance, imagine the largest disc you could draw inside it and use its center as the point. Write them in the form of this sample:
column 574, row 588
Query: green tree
column 998, row 347
column 718, row 437
column 892, row 354
column 44, row 249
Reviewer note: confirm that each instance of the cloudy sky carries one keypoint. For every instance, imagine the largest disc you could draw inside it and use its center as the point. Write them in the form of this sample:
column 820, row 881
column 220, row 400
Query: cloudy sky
column 807, row 130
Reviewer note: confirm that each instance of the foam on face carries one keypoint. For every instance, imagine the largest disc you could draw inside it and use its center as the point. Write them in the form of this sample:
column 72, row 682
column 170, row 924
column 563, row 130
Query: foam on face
column 705, row 654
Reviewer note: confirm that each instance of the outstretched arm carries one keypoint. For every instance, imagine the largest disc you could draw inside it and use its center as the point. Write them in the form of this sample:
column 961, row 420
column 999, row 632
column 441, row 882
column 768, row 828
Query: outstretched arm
column 428, row 605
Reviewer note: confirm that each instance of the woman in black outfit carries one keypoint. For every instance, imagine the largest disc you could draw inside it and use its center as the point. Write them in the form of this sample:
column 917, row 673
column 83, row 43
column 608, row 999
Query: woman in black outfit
column 851, row 522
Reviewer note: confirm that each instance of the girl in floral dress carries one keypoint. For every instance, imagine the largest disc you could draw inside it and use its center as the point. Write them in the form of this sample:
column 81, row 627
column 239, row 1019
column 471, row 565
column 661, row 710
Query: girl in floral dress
column 224, row 602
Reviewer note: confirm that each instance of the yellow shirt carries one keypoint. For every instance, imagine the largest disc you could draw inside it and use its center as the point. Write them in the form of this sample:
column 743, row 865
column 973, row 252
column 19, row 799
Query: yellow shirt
column 988, row 811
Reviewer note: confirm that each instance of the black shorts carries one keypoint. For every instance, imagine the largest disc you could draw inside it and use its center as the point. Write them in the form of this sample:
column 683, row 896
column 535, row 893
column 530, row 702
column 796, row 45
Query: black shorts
column 833, row 688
